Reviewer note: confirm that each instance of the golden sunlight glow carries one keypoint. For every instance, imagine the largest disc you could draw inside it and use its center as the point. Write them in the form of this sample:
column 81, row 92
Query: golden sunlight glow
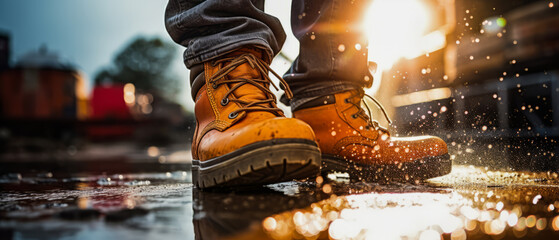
column 398, row 29
column 428, row 43
column 395, row 29
column 467, row 210
column 421, row 96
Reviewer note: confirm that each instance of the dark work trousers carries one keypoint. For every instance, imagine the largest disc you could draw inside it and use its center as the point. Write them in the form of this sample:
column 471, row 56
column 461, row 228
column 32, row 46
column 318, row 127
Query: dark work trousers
column 333, row 45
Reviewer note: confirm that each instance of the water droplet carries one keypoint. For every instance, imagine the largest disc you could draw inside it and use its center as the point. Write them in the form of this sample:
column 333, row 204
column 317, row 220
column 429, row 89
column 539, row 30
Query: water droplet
column 341, row 48
column 327, row 188
column 500, row 206
column 319, row 180
column 333, row 133
column 358, row 46
column 383, row 137
column 536, row 199
column 153, row 151
column 269, row 224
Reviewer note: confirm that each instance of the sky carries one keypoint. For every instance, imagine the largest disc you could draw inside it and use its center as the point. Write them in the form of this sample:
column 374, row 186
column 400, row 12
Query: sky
column 90, row 33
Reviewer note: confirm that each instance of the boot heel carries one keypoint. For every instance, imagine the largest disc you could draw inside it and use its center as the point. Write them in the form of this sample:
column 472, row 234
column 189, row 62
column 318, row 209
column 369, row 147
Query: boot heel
column 196, row 173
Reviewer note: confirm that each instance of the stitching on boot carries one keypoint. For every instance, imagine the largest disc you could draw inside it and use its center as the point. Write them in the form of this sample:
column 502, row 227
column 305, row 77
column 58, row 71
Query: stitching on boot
column 210, row 91
column 215, row 125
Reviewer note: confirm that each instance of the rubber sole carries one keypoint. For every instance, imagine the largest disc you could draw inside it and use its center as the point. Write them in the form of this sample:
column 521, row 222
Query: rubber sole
column 421, row 169
column 261, row 163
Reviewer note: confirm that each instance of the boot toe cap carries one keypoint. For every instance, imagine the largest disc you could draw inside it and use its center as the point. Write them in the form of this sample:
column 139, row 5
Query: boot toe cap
column 421, row 147
column 242, row 135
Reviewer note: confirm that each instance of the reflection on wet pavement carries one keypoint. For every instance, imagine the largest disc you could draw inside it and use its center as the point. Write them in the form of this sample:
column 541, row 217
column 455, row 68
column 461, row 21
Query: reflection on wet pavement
column 470, row 203
column 221, row 214
column 127, row 206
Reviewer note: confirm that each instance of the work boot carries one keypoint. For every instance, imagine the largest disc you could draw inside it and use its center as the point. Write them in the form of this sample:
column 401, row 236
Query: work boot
column 242, row 137
column 351, row 142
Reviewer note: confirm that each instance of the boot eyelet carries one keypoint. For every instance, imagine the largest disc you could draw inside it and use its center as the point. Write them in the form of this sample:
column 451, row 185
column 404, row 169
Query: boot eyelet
column 224, row 101
column 347, row 100
column 354, row 116
column 214, row 85
column 233, row 115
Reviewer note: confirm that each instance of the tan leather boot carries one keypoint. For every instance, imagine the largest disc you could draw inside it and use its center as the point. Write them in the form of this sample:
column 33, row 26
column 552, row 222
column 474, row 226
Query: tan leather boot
column 242, row 137
column 351, row 142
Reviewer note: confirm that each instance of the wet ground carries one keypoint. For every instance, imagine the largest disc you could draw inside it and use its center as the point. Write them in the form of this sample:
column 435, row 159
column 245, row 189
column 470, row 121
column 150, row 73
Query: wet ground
column 470, row 203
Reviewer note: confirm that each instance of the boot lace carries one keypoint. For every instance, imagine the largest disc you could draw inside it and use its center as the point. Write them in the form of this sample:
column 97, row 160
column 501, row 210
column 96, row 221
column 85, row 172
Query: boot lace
column 269, row 104
column 367, row 116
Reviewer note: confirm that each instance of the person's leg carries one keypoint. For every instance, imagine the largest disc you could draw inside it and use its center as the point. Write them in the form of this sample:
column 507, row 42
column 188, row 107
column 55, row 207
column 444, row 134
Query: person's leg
column 328, row 80
column 241, row 137
column 333, row 48
column 209, row 29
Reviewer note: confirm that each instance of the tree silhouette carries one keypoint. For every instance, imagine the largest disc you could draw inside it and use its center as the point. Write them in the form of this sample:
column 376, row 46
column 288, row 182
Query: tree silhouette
column 146, row 63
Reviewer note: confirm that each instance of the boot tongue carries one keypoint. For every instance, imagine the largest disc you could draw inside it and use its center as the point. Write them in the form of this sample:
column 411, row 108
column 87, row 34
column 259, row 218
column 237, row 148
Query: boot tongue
column 247, row 92
column 357, row 101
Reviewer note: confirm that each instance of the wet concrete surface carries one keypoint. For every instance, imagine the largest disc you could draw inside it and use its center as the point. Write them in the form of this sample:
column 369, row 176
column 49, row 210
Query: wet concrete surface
column 470, row 203
column 122, row 157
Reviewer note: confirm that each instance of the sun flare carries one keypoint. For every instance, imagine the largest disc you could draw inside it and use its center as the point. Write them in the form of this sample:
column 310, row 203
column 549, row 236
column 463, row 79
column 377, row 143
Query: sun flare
column 395, row 29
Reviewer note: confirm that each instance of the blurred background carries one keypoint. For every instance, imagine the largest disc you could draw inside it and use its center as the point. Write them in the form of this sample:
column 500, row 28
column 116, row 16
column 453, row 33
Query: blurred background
column 481, row 74
column 90, row 82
